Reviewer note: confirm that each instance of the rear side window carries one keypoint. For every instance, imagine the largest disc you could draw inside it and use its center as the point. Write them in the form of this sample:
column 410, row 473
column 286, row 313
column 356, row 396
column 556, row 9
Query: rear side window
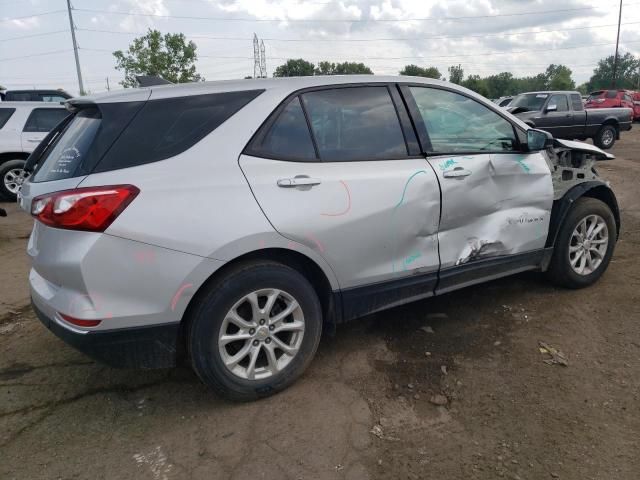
column 5, row 115
column 164, row 128
column 44, row 119
column 71, row 149
column 611, row 94
column 560, row 101
column 576, row 102
column 289, row 137
column 355, row 123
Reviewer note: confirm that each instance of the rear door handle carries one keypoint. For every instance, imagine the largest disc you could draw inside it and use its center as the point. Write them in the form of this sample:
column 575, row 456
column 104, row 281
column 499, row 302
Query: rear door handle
column 299, row 181
column 34, row 140
column 457, row 172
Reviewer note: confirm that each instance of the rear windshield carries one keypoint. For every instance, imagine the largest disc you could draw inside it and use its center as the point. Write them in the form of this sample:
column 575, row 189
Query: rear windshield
column 67, row 154
column 120, row 135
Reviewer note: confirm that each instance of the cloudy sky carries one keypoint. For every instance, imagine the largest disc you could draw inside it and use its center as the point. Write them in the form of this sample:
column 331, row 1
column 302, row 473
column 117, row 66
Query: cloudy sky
column 484, row 36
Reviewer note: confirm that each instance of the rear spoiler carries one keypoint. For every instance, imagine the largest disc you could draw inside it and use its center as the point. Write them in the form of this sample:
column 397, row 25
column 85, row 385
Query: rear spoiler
column 151, row 80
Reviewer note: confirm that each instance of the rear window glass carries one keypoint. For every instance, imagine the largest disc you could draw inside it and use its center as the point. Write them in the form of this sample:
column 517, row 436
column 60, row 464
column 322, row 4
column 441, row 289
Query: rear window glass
column 68, row 153
column 355, row 123
column 44, row 119
column 164, row 128
column 611, row 94
column 5, row 115
column 289, row 137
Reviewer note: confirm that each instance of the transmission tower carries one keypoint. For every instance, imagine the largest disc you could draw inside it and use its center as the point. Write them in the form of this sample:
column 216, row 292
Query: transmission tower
column 263, row 61
column 256, row 57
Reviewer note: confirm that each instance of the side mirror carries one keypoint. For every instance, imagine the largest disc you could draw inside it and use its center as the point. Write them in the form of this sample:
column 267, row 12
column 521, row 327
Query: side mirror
column 538, row 140
column 551, row 108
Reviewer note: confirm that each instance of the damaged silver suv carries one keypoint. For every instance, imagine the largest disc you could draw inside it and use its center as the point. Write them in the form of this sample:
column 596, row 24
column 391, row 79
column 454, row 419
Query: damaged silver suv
column 227, row 222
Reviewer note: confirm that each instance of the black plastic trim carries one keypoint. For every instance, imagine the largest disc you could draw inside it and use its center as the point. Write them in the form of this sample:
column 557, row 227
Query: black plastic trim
column 478, row 271
column 149, row 347
column 361, row 301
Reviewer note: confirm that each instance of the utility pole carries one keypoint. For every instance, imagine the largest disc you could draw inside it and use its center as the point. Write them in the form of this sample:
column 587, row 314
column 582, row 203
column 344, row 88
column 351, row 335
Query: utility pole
column 75, row 47
column 108, row 89
column 263, row 60
column 615, row 60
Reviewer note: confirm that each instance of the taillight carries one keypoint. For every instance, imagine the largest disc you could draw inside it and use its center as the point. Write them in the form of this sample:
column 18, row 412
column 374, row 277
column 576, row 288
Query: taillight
column 92, row 209
column 79, row 322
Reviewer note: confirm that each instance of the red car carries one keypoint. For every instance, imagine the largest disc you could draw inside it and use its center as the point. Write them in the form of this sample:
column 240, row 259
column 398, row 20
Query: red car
column 612, row 99
column 636, row 105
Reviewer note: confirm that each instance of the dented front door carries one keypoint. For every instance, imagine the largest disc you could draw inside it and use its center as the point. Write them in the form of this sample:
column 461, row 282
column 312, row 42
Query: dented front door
column 493, row 204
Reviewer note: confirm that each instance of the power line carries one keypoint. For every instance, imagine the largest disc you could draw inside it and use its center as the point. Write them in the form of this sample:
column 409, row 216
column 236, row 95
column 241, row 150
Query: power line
column 334, row 20
column 388, row 39
column 53, row 52
column 33, row 35
column 32, row 15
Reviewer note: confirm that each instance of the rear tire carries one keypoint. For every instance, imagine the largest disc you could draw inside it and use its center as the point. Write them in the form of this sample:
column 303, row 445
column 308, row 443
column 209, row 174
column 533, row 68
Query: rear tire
column 246, row 304
column 569, row 248
column 606, row 137
column 11, row 177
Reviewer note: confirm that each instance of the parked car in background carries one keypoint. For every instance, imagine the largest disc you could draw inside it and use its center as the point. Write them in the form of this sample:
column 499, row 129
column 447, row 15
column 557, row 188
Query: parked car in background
column 58, row 96
column 225, row 220
column 636, row 105
column 564, row 116
column 22, row 126
column 610, row 99
column 504, row 101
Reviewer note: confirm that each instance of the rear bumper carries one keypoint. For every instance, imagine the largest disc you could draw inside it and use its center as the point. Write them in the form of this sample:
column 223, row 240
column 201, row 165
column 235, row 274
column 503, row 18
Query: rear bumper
column 152, row 346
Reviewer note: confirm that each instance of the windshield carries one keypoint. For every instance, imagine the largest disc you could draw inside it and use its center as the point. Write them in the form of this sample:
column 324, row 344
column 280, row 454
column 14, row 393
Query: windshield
column 529, row 101
column 68, row 152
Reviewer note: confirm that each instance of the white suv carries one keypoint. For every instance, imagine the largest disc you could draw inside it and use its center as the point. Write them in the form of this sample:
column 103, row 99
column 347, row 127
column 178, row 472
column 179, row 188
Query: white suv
column 23, row 125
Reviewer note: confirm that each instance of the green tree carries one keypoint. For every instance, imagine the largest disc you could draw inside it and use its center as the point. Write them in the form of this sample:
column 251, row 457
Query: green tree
column 627, row 75
column 169, row 56
column 559, row 78
column 416, row 71
column 477, row 84
column 345, row 68
column 295, row 68
column 501, row 84
column 456, row 74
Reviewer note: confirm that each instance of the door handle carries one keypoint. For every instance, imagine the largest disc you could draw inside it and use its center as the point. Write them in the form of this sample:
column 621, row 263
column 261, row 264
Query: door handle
column 457, row 172
column 34, row 140
column 298, row 181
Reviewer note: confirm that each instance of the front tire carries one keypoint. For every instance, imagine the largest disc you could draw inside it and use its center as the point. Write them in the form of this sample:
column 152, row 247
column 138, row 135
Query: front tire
column 584, row 245
column 606, row 137
column 12, row 175
column 254, row 332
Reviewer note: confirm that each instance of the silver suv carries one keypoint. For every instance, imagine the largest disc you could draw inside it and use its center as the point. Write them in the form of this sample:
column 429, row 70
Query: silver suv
column 229, row 222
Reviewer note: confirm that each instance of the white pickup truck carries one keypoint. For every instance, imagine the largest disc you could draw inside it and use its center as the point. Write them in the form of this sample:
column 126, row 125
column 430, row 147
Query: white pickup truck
column 23, row 125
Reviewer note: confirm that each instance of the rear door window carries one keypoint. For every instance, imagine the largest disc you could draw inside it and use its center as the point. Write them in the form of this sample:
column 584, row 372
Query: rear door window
column 5, row 115
column 611, row 94
column 44, row 119
column 355, row 123
column 288, row 138
column 576, row 102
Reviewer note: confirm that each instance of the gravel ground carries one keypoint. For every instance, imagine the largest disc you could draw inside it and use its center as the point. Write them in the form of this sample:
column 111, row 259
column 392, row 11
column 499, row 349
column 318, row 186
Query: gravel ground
column 468, row 398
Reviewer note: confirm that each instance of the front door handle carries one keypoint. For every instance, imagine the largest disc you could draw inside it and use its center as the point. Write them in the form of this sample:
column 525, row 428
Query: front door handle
column 298, row 181
column 34, row 140
column 457, row 172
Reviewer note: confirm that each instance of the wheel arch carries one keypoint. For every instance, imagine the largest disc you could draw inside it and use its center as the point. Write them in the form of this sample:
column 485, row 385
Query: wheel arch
column 6, row 156
column 330, row 302
column 562, row 206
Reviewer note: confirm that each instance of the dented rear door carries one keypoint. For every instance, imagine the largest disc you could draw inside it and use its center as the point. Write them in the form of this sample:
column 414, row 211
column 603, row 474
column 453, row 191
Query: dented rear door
column 496, row 200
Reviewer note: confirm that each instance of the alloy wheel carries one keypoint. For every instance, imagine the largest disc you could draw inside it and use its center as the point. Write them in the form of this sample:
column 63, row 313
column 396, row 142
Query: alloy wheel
column 588, row 244
column 261, row 334
column 14, row 178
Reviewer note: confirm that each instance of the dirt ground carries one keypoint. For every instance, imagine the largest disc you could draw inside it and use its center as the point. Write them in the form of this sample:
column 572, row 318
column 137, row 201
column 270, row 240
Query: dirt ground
column 363, row 410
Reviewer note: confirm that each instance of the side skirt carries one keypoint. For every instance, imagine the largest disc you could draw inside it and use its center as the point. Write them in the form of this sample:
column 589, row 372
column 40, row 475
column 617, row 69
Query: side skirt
column 364, row 300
